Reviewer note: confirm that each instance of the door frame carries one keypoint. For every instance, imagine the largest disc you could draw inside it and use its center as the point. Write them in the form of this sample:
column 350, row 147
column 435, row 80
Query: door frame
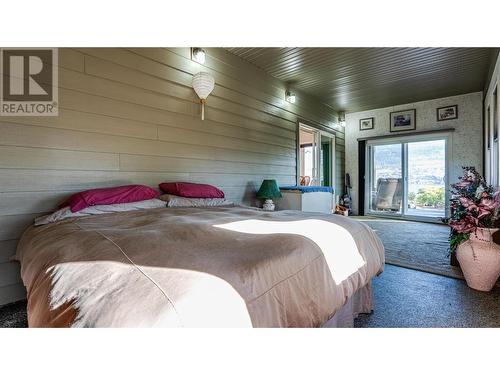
column 404, row 140
column 320, row 132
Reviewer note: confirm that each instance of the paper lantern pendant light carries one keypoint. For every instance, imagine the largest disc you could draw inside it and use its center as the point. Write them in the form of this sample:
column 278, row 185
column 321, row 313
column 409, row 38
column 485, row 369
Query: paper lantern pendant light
column 203, row 84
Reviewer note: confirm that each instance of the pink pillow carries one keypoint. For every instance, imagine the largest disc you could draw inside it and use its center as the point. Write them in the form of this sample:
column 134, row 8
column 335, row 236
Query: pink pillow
column 191, row 190
column 111, row 195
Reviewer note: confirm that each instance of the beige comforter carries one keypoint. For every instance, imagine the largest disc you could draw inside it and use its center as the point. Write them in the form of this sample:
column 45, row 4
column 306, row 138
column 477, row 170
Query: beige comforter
column 195, row 267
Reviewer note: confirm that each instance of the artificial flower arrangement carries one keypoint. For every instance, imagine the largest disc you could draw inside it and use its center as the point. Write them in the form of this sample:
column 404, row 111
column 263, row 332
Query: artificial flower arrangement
column 474, row 204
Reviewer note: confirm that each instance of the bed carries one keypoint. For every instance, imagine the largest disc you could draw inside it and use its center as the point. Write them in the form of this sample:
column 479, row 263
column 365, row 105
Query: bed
column 199, row 267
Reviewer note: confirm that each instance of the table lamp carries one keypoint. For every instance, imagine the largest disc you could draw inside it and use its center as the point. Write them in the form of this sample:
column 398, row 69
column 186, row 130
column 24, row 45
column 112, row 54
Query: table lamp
column 269, row 190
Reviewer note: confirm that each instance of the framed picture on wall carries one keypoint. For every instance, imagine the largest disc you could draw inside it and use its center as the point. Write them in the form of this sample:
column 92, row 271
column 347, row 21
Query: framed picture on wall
column 366, row 123
column 447, row 113
column 403, row 120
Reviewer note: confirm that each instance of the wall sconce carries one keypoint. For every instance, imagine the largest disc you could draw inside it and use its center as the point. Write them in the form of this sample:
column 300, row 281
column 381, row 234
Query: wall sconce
column 290, row 97
column 198, row 55
column 342, row 119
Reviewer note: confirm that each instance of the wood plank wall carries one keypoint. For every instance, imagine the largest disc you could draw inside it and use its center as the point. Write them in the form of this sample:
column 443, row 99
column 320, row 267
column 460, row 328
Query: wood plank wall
column 131, row 116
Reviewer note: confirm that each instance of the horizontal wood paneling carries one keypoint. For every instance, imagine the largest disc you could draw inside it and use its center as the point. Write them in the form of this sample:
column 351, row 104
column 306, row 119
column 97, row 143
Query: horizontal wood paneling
column 49, row 180
column 7, row 250
column 12, row 226
column 117, row 109
column 216, row 140
column 27, row 202
column 34, row 136
column 243, row 83
column 42, row 158
column 71, row 59
column 62, row 139
column 12, row 293
column 167, row 164
column 8, row 271
column 131, row 116
column 91, row 122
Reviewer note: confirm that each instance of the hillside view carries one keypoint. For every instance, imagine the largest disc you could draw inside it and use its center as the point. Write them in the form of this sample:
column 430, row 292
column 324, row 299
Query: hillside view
column 426, row 171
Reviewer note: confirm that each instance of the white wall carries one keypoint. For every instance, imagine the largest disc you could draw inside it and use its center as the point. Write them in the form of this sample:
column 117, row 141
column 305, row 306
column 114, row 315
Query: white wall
column 466, row 140
column 488, row 102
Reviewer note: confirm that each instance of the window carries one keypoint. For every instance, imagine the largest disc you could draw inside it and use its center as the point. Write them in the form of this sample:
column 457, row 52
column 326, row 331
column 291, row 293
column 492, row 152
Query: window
column 316, row 157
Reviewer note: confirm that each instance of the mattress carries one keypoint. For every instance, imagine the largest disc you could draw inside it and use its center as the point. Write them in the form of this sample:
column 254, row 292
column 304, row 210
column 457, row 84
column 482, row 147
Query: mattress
column 196, row 267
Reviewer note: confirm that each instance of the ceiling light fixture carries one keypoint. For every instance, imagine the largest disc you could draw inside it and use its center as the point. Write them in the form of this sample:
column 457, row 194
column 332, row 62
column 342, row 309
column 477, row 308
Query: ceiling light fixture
column 290, row 97
column 198, row 55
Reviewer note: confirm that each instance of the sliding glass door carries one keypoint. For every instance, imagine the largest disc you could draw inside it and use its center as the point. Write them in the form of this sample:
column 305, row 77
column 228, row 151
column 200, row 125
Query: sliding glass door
column 426, row 170
column 386, row 182
column 407, row 177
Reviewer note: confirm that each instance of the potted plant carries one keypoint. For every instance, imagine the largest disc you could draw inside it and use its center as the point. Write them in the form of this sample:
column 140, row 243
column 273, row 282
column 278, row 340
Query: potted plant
column 474, row 209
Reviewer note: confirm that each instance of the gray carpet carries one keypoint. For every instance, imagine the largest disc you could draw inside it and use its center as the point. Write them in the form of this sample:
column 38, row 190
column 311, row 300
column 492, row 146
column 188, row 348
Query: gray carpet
column 408, row 298
column 14, row 315
column 416, row 245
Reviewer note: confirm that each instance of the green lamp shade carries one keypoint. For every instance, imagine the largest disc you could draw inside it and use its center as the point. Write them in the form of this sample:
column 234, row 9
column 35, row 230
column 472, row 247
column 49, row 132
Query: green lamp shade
column 269, row 189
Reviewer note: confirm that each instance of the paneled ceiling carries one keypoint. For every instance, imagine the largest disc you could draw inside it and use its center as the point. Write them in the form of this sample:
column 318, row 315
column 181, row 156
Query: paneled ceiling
column 356, row 79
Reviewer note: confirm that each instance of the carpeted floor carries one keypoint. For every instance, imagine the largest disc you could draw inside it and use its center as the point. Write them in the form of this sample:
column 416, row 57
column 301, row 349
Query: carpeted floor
column 407, row 298
column 13, row 315
column 415, row 245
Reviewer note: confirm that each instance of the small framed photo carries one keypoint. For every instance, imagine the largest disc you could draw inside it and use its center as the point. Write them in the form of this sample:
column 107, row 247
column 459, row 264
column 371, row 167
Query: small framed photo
column 403, row 120
column 447, row 113
column 366, row 123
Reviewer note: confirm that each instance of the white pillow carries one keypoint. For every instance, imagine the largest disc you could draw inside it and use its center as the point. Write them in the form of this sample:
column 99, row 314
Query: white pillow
column 65, row 213
column 177, row 201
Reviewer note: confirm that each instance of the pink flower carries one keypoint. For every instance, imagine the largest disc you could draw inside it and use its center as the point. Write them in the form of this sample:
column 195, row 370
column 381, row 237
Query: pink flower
column 468, row 224
column 486, row 207
column 481, row 212
column 472, row 209
column 488, row 203
column 463, row 184
column 467, row 203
